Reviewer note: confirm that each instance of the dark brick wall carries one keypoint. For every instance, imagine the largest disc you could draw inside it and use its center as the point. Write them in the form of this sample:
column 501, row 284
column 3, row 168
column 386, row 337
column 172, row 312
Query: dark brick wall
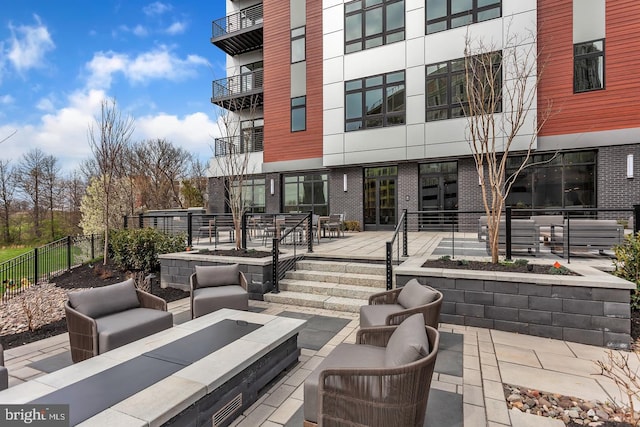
column 215, row 188
column 614, row 189
column 272, row 201
column 584, row 314
column 346, row 202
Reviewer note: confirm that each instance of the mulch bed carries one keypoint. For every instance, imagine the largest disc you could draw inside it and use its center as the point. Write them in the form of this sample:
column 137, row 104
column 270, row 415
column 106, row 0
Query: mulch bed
column 250, row 253
column 488, row 266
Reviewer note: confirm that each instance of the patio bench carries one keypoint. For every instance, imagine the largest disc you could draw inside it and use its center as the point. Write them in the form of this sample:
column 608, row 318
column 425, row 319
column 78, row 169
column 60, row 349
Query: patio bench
column 525, row 234
column 586, row 235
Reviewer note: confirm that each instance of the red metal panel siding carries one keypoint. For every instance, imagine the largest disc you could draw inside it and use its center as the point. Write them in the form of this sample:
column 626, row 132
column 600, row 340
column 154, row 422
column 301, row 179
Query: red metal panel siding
column 615, row 107
column 279, row 142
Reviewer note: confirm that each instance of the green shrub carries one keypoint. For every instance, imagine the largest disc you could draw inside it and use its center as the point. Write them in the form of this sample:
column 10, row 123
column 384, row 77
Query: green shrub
column 520, row 262
column 562, row 270
column 445, row 258
column 627, row 264
column 351, row 225
column 138, row 249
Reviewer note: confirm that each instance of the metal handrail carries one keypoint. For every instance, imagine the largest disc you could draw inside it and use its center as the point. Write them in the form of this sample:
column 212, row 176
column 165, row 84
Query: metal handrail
column 239, row 84
column 246, row 18
column 280, row 270
column 239, row 145
column 402, row 225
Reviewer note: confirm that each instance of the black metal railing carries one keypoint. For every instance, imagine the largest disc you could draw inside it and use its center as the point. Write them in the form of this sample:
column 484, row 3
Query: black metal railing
column 239, row 145
column 242, row 20
column 46, row 262
column 395, row 240
column 299, row 232
column 238, row 85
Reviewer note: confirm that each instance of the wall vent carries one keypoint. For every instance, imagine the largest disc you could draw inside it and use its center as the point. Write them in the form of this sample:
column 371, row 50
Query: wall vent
column 226, row 411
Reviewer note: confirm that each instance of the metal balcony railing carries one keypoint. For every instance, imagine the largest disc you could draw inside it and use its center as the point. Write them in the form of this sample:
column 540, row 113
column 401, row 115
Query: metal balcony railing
column 239, row 32
column 240, row 91
column 238, row 145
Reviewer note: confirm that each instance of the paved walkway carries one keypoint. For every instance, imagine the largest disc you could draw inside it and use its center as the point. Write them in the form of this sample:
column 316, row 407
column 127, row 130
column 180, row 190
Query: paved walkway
column 490, row 357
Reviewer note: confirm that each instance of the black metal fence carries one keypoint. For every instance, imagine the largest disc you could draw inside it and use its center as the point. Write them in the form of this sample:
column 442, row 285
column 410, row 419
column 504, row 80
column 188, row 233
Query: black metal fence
column 46, row 262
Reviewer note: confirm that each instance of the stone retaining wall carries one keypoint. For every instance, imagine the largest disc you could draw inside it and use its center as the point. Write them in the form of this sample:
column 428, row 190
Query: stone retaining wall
column 175, row 270
column 589, row 310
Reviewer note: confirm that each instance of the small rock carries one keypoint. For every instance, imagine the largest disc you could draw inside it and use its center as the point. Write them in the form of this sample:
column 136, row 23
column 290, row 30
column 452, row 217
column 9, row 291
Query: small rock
column 572, row 413
column 591, row 413
column 514, row 398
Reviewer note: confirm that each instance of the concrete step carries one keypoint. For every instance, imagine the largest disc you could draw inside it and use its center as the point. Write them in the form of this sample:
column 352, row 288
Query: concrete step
column 342, row 267
column 329, row 289
column 370, row 280
column 316, row 301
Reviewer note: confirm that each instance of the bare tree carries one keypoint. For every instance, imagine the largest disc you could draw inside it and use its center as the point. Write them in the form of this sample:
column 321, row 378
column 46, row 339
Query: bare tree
column 73, row 187
column 31, row 178
column 108, row 138
column 8, row 181
column 232, row 153
column 499, row 104
column 194, row 188
column 52, row 189
column 163, row 166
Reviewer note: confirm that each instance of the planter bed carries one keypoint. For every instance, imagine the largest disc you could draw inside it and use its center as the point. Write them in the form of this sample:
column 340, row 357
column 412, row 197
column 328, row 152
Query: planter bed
column 592, row 308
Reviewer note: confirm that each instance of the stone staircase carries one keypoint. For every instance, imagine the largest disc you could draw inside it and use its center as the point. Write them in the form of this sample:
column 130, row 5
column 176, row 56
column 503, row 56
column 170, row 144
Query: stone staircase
column 328, row 284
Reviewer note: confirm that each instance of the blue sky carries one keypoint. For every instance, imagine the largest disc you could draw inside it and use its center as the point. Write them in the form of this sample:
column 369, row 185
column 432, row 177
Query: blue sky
column 59, row 59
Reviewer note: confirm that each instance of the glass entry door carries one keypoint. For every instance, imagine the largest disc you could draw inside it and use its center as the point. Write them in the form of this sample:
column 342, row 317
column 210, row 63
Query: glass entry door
column 380, row 198
column 438, row 192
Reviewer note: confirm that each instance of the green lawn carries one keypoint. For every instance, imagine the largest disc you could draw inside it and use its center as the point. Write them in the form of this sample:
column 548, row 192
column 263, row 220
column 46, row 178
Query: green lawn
column 8, row 253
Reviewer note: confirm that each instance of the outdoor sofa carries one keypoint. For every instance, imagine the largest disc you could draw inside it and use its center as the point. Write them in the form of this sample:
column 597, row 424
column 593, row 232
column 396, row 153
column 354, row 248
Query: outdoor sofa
column 101, row 319
column 382, row 380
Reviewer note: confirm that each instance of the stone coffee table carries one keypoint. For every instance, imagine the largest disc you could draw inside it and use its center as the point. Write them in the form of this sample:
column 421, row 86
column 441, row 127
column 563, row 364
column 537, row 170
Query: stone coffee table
column 205, row 371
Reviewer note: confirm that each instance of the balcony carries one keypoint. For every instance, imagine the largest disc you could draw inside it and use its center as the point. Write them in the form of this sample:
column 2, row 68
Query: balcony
column 240, row 32
column 240, row 92
column 237, row 145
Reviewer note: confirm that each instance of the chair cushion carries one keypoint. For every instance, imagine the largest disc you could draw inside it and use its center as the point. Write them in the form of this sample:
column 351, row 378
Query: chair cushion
column 408, row 343
column 208, row 300
column 413, row 294
column 376, row 315
column 118, row 329
column 343, row 356
column 98, row 302
column 217, row 275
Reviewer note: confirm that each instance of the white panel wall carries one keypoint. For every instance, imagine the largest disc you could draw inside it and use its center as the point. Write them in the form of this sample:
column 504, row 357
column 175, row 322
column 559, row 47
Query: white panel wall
column 417, row 139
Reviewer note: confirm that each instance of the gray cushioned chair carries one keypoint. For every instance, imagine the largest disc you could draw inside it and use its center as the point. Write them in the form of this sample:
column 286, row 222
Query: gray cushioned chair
column 217, row 286
column 4, row 374
column 382, row 380
column 392, row 307
column 101, row 319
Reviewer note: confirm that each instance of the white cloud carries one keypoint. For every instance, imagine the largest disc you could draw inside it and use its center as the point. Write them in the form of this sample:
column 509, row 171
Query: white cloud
column 45, row 104
column 176, row 28
column 28, row 45
column 160, row 63
column 140, row 31
column 6, row 99
column 156, row 8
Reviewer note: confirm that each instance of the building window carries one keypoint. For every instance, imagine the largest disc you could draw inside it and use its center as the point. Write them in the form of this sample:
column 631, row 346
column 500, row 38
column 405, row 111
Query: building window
column 562, row 180
column 304, row 193
column 447, row 88
column 588, row 66
column 371, row 23
column 298, row 45
column 446, row 14
column 253, row 191
column 375, row 101
column 298, row 113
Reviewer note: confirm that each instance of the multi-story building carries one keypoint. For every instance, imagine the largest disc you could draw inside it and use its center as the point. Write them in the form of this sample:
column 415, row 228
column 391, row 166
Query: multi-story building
column 354, row 106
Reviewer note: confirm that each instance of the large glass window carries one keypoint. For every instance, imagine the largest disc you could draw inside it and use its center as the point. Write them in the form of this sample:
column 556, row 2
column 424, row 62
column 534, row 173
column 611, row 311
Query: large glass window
column 446, row 14
column 588, row 66
column 375, row 101
column 298, row 113
column 298, row 45
column 447, row 88
column 253, row 191
column 564, row 180
column 371, row 23
column 252, row 135
column 304, row 193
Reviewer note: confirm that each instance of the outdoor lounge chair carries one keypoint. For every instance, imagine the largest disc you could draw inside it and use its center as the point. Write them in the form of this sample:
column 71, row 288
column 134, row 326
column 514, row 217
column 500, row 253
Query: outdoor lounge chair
column 217, row 286
column 4, row 374
column 101, row 319
column 382, row 380
column 392, row 307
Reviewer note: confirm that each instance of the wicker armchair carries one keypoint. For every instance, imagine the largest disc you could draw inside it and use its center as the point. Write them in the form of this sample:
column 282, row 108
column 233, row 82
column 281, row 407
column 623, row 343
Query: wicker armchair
column 391, row 308
column 361, row 395
column 101, row 319
column 4, row 374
